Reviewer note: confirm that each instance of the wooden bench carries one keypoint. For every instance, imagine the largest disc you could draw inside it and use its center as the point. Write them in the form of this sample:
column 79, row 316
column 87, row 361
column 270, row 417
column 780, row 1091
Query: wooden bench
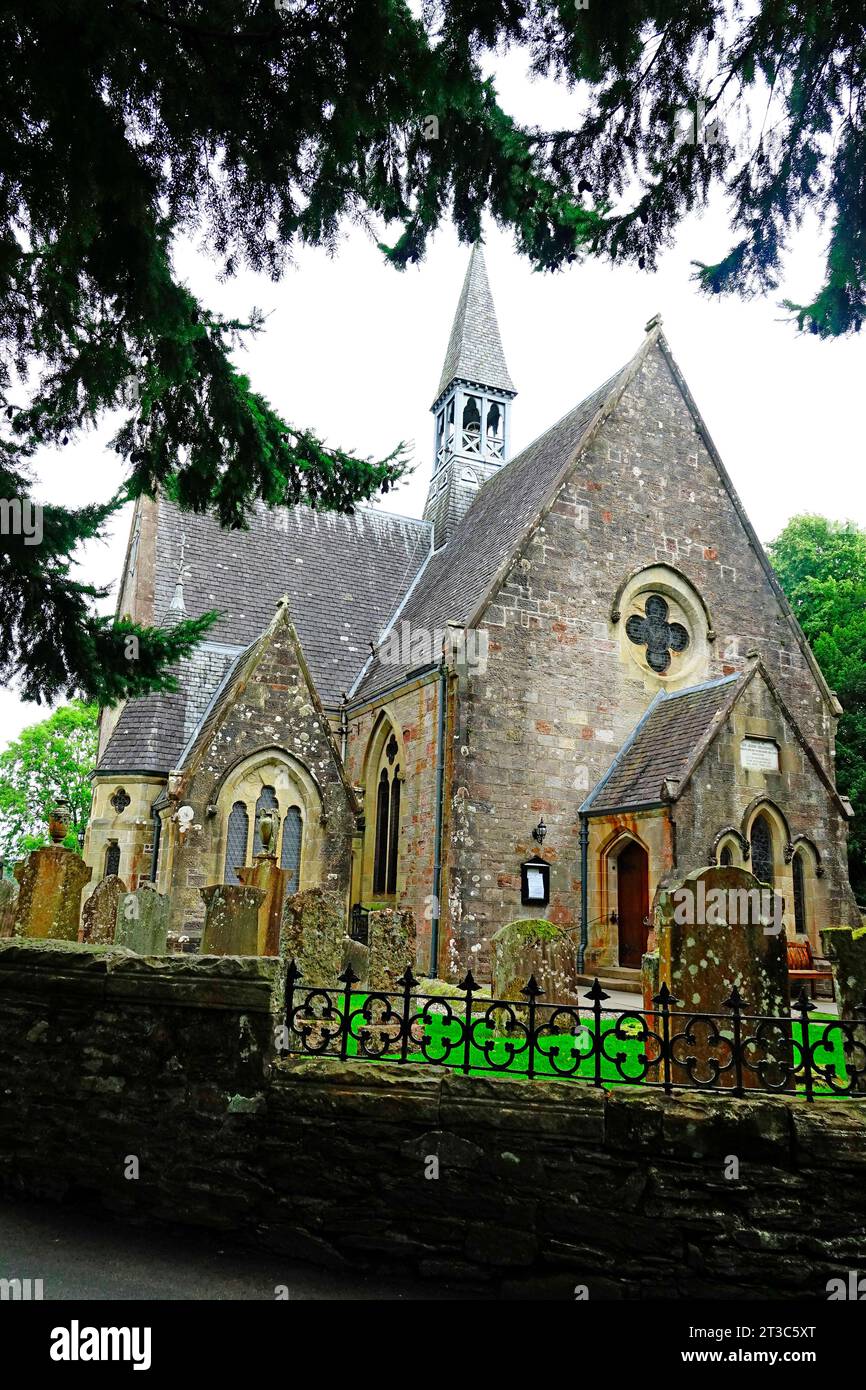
column 802, row 965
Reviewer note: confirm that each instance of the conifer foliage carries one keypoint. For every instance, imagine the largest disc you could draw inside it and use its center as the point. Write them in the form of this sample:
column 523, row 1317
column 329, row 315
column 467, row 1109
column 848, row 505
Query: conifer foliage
column 259, row 125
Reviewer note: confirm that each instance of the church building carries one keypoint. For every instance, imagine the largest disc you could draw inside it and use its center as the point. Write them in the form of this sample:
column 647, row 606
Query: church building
column 574, row 678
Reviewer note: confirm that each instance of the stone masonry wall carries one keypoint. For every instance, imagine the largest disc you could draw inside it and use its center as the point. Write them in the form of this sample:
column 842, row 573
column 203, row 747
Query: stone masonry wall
column 561, row 693
column 543, row 1188
column 415, row 715
column 722, row 790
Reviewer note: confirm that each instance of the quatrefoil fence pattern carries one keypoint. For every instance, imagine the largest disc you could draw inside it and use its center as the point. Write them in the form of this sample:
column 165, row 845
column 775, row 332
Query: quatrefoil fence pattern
column 657, row 634
column 736, row 1051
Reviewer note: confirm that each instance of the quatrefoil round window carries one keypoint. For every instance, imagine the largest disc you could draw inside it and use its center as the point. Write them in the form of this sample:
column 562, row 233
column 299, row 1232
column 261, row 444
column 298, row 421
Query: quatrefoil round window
column 654, row 630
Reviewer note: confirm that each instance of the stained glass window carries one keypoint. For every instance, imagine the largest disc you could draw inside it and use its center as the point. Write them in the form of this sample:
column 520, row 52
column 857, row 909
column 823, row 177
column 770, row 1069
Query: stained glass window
column 236, row 841
column 761, row 840
column 652, row 630
column 290, row 858
column 267, row 802
column 112, row 859
column 797, row 870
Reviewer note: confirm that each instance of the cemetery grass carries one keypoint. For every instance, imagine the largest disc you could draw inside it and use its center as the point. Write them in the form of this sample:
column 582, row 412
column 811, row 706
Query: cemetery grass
column 555, row 1056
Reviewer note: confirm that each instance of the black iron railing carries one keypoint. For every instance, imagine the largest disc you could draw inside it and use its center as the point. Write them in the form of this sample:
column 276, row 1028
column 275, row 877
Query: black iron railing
column 736, row 1051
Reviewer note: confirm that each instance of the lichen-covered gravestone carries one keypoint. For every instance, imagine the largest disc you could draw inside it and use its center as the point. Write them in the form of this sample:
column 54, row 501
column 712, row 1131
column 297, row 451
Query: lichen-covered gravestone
column 99, row 914
column 8, row 905
column 534, row 947
column 266, row 874
column 314, row 935
column 845, row 948
column 231, row 924
column 716, row 929
column 50, row 881
column 142, row 921
column 391, row 939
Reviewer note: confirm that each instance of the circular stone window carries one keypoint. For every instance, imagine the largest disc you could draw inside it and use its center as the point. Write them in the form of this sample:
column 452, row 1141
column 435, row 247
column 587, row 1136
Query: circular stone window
column 664, row 627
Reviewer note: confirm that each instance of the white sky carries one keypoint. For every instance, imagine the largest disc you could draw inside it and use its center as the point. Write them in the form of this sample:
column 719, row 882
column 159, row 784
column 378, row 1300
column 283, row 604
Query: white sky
column 353, row 349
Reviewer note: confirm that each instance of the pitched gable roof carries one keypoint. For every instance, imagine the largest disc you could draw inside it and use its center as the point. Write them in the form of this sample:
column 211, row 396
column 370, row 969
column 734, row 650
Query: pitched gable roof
column 669, row 743
column 456, row 581
column 664, row 744
column 475, row 347
column 344, row 576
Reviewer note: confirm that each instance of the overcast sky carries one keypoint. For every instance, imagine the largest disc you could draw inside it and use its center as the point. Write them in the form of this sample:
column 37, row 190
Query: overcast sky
column 353, row 349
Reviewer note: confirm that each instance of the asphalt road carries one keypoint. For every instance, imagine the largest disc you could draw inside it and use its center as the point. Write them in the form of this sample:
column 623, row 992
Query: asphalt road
column 80, row 1256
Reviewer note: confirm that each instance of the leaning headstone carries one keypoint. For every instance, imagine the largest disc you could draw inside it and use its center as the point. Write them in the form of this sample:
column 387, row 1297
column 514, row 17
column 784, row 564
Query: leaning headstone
column 50, row 880
column 8, row 904
column 391, row 941
column 314, row 935
column 717, row 929
column 99, row 914
column 142, row 921
column 534, row 947
column 265, row 873
column 231, row 924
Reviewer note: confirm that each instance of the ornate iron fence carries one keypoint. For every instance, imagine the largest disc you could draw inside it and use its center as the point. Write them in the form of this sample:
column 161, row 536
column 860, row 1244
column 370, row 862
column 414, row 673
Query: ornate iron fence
column 736, row 1052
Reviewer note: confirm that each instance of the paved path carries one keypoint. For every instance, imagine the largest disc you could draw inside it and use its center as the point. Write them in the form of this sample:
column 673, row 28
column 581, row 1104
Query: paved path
column 82, row 1256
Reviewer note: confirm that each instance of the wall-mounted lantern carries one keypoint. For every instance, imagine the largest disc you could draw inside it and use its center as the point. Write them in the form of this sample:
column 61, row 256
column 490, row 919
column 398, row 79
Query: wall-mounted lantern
column 539, row 832
column 535, row 882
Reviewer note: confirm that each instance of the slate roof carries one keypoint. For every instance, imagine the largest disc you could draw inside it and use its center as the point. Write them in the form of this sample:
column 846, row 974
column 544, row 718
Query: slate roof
column 344, row 576
column 475, row 347
column 664, row 744
column 459, row 574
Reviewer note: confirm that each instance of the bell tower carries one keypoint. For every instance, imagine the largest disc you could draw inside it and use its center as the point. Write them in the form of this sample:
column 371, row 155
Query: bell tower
column 472, row 406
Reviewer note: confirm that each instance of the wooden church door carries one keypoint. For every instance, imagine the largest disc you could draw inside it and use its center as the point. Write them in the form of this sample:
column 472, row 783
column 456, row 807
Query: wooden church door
column 632, row 903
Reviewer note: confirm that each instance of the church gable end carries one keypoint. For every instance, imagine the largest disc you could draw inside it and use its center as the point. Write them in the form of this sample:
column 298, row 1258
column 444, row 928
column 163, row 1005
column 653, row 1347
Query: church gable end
column 265, row 743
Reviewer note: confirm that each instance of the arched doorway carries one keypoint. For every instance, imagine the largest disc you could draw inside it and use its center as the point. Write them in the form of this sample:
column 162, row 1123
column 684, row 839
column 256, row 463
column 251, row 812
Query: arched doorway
column 632, row 902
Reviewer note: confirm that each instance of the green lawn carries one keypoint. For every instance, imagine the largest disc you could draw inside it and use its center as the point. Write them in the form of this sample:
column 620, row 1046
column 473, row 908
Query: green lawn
column 570, row 1055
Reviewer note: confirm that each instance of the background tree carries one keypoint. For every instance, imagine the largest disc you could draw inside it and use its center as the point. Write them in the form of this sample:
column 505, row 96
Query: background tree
column 822, row 567
column 257, row 125
column 48, row 762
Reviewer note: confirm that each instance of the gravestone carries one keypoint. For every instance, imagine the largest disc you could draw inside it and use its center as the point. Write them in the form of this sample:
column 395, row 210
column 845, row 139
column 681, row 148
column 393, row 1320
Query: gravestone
column 716, row 929
column 845, row 948
column 99, row 914
column 50, row 881
column 534, row 947
column 142, row 921
column 231, row 924
column 265, row 873
column 314, row 935
column 8, row 904
column 391, row 941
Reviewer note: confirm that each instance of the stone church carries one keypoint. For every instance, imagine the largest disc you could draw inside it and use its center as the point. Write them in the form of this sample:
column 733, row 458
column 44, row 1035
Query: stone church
column 575, row 677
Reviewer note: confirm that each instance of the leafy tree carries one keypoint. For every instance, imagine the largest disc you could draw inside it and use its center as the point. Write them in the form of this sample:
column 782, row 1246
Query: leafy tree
column 822, row 567
column 257, row 125
column 47, row 763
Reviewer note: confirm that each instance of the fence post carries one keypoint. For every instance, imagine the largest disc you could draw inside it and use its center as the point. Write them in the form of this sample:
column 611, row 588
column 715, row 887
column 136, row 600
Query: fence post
column 348, row 978
column 597, row 995
column 532, row 990
column 469, row 986
column 665, row 999
column 408, row 982
column 804, row 1006
column 734, row 1003
column 293, row 974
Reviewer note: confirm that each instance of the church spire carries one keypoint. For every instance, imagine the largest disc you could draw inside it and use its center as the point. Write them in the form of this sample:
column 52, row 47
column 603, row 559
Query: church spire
column 472, row 405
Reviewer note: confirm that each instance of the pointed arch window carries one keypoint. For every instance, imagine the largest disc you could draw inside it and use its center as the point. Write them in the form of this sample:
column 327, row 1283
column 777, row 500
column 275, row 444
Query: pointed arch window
column 112, row 859
column 761, row 841
column 472, row 425
column 236, row 841
column 290, row 858
column 495, row 429
column 267, row 802
column 798, row 873
column 386, row 844
column 726, row 858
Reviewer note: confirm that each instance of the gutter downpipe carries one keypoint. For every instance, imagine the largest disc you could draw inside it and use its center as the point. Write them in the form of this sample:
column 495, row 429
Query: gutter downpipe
column 437, row 845
column 584, row 890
